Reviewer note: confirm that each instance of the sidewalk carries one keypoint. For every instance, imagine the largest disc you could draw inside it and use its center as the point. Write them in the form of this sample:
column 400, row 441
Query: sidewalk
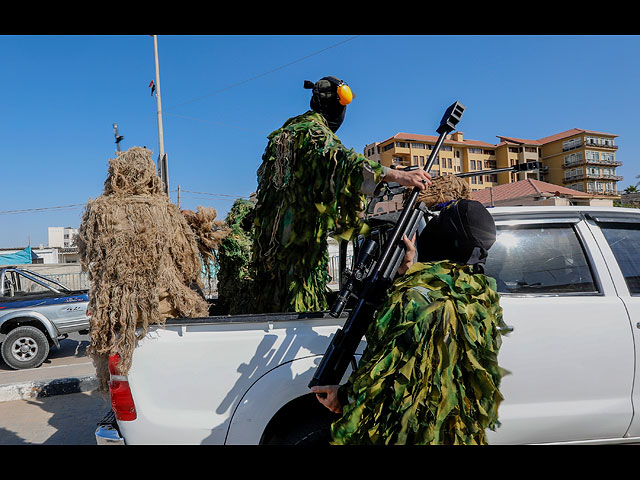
column 67, row 370
column 47, row 381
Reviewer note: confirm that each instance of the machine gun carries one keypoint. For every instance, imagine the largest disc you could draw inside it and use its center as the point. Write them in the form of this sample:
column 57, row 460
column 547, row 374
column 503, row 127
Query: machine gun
column 377, row 262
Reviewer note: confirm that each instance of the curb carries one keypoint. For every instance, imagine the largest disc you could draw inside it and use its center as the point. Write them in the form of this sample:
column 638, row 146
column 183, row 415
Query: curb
column 47, row 388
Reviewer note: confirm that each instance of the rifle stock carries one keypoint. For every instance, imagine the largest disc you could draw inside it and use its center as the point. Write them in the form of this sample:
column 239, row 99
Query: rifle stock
column 370, row 290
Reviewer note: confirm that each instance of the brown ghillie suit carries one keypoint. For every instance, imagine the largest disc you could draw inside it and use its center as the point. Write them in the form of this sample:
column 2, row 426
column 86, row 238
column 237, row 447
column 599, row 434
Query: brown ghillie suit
column 444, row 188
column 209, row 233
column 142, row 258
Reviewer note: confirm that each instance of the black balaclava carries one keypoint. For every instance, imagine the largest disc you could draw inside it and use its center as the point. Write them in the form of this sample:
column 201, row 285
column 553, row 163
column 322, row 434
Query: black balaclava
column 325, row 101
column 463, row 232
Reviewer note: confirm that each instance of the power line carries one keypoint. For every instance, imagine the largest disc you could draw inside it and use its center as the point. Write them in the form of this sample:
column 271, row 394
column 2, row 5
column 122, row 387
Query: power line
column 262, row 74
column 32, row 210
column 79, row 205
column 218, row 194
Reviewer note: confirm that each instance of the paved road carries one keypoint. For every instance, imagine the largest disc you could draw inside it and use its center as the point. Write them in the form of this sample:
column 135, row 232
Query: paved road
column 31, row 412
column 69, row 360
column 59, row 420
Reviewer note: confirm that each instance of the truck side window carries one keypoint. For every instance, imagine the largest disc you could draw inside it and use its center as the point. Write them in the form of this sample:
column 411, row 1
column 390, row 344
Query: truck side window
column 536, row 259
column 624, row 240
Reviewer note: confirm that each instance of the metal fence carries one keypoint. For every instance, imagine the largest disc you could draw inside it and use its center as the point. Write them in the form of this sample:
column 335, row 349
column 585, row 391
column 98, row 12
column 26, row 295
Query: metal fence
column 80, row 280
column 74, row 281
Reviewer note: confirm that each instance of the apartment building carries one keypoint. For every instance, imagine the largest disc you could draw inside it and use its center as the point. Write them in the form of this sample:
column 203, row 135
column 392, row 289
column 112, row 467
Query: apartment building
column 579, row 159
column 61, row 237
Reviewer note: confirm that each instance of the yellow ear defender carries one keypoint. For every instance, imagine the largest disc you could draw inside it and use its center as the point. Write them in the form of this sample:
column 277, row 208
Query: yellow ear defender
column 345, row 95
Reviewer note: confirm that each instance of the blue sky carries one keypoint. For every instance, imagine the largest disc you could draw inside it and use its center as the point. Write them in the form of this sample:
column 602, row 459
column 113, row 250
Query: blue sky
column 223, row 94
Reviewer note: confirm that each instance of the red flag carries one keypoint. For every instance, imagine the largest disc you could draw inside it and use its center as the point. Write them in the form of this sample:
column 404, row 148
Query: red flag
column 153, row 87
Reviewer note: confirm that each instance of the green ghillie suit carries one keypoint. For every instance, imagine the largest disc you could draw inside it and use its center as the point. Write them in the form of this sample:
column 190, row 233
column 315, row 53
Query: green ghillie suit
column 435, row 349
column 429, row 373
column 309, row 185
column 235, row 278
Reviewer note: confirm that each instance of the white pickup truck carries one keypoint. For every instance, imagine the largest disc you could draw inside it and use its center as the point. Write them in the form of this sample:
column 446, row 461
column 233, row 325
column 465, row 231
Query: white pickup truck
column 569, row 279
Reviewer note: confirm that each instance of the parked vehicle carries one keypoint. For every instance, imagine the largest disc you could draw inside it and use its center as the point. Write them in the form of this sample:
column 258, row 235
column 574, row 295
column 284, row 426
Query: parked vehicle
column 36, row 312
column 569, row 279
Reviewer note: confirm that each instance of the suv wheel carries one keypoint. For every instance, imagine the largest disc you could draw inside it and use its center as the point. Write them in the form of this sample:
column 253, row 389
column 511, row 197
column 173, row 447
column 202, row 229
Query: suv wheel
column 25, row 347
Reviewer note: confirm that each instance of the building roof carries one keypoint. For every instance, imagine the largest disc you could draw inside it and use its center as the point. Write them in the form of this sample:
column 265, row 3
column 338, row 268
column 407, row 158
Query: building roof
column 552, row 138
column 503, row 140
column 432, row 138
column 524, row 188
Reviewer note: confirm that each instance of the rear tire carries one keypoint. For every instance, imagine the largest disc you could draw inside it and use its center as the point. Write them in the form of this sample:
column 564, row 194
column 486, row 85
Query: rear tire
column 307, row 424
column 25, row 347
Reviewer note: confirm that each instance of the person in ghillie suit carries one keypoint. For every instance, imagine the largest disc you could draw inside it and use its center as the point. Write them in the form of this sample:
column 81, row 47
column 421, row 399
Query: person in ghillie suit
column 236, row 289
column 143, row 258
column 429, row 373
column 309, row 186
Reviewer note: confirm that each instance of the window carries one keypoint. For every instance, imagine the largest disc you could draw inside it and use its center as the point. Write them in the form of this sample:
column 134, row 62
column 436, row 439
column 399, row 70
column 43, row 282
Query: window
column 387, row 147
column 571, row 144
column 539, row 260
column 417, row 145
column 573, row 158
column 20, row 284
column 591, row 155
column 475, row 150
column 490, row 164
column 624, row 240
column 607, row 157
column 473, row 164
column 489, row 152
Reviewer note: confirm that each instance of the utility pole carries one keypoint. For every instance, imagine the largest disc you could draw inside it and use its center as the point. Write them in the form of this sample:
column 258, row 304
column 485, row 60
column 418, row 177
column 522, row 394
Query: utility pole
column 163, row 165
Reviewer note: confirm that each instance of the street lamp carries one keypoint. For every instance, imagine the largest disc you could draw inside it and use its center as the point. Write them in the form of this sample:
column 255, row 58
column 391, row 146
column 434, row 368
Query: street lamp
column 119, row 138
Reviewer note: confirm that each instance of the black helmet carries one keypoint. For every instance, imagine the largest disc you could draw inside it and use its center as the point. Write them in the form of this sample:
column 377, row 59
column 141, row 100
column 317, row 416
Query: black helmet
column 330, row 99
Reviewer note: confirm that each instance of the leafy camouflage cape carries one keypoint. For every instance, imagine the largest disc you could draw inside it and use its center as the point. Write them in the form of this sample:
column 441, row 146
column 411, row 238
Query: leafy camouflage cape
column 429, row 373
column 235, row 278
column 308, row 186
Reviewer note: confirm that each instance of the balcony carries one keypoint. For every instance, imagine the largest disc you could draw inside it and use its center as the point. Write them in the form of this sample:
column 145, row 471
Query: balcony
column 606, row 163
column 594, row 191
column 591, row 143
column 592, row 176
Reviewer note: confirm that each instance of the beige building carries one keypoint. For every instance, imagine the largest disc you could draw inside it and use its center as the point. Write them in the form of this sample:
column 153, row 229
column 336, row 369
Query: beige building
column 582, row 160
